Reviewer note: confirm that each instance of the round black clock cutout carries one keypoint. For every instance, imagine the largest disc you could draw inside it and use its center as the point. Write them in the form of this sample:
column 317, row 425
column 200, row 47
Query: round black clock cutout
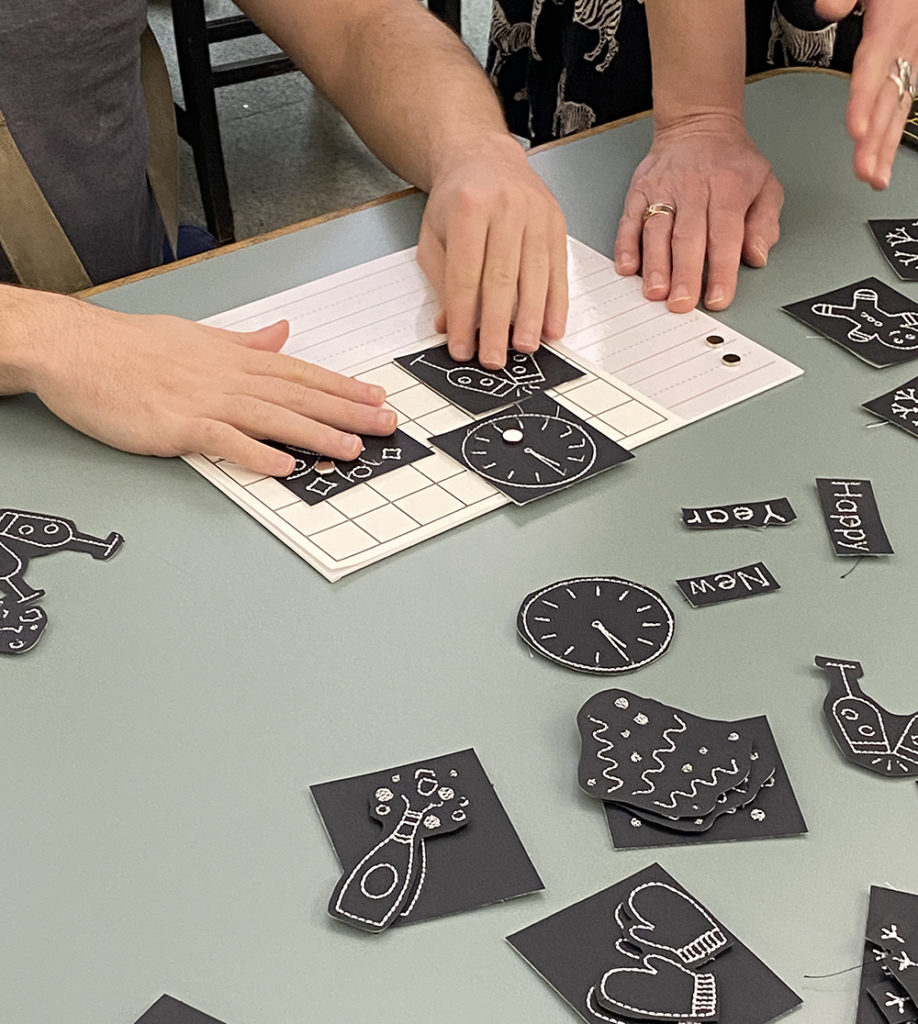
column 597, row 624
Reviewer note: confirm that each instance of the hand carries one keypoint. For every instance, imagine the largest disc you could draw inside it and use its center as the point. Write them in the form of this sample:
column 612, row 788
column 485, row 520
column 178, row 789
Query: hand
column 494, row 246
column 876, row 113
column 159, row 385
column 728, row 203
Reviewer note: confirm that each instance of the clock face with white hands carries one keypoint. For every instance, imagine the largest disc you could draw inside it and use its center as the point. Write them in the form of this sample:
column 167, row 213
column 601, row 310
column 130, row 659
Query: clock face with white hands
column 530, row 450
column 598, row 624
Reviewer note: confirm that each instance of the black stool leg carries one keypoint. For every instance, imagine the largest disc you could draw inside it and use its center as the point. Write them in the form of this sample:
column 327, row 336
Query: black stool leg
column 198, row 123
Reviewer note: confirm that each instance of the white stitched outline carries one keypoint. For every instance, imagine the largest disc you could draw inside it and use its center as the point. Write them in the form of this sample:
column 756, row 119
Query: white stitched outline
column 601, row 754
column 422, row 875
column 705, row 944
column 704, row 995
column 593, row 1010
column 658, row 648
column 661, row 750
column 414, row 818
column 692, row 792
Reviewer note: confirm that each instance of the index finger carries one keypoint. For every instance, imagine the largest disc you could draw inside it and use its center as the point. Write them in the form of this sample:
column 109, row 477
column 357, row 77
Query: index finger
column 308, row 375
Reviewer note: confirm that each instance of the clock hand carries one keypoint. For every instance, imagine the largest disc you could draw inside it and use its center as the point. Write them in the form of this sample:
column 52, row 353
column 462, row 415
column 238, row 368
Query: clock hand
column 556, row 466
column 617, row 643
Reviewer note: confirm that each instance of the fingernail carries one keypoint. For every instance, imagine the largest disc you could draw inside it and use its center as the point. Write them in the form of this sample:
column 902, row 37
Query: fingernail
column 715, row 296
column 377, row 394
column 680, row 296
column 461, row 353
column 760, row 252
column 627, row 261
column 657, row 282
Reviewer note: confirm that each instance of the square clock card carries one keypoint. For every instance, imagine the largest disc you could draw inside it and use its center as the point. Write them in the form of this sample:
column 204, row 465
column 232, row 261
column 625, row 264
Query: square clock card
column 421, row 841
column 477, row 389
column 532, row 449
column 646, row 949
column 873, row 321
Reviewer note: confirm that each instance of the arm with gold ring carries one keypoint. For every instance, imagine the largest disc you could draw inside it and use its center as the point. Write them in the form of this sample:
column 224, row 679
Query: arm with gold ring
column 717, row 196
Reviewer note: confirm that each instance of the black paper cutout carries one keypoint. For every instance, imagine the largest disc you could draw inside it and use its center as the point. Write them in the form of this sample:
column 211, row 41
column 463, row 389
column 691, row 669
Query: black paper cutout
column 660, row 989
column 477, row 389
column 167, row 1010
column 598, row 624
column 574, row 948
column 773, row 811
column 898, row 241
column 644, row 754
column 893, row 1002
column 899, row 406
column 866, row 733
column 380, row 455
column 21, row 628
column 873, row 321
column 852, row 518
column 552, row 448
column 668, row 920
column 730, row 585
column 776, row 512
column 28, row 535
column 889, row 908
column 761, row 770
column 388, row 880
column 483, row 862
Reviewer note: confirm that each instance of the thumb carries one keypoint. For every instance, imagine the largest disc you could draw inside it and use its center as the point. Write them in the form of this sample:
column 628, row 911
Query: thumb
column 267, row 339
column 834, row 10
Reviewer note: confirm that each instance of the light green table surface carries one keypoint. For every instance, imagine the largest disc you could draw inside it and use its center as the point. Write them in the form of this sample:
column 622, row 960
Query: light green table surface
column 156, row 748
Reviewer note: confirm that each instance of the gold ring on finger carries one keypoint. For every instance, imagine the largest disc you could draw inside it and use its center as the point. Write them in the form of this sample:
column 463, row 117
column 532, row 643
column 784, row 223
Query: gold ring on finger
column 654, row 208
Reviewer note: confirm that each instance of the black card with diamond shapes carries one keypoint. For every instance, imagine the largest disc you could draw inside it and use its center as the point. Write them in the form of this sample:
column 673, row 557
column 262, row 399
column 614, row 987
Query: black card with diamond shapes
column 316, row 477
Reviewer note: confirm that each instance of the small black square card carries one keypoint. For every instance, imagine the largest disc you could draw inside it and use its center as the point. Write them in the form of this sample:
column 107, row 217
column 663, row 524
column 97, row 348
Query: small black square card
column 873, row 321
column 898, row 241
column 477, row 389
column 646, row 944
column 532, row 449
column 899, row 406
column 167, row 1010
column 316, row 477
column 421, row 841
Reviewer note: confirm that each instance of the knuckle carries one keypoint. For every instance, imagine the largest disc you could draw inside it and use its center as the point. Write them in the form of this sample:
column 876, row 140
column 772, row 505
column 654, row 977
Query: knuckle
column 501, row 273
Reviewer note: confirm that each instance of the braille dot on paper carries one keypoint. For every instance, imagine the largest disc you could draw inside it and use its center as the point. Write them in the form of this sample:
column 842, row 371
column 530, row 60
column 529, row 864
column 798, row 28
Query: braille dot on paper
column 324, row 467
column 512, row 435
column 731, row 359
column 714, row 340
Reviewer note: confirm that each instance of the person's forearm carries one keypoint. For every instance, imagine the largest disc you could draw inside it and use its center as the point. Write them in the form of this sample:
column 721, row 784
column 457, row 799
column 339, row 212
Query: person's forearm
column 699, row 58
column 406, row 83
column 27, row 320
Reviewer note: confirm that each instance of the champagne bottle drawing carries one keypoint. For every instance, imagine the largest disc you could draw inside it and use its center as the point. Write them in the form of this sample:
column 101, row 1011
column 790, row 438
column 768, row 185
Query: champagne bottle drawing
column 387, row 881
